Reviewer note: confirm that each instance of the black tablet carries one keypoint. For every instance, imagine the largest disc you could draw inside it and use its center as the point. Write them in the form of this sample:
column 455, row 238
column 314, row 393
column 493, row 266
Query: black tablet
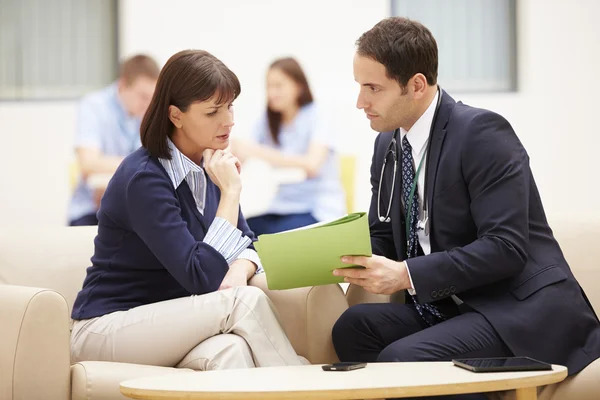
column 502, row 364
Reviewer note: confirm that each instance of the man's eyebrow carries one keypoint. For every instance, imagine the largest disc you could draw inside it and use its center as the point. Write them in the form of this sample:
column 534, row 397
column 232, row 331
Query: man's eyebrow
column 371, row 84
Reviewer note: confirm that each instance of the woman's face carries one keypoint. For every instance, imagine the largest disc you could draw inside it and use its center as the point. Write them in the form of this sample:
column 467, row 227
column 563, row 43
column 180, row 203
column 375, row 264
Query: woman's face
column 205, row 124
column 282, row 91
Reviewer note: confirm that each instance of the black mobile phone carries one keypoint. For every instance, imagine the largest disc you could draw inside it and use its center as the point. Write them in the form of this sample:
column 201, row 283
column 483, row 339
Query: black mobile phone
column 502, row 364
column 344, row 366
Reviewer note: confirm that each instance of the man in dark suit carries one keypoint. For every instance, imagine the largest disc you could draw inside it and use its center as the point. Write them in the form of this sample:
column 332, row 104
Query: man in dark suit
column 465, row 232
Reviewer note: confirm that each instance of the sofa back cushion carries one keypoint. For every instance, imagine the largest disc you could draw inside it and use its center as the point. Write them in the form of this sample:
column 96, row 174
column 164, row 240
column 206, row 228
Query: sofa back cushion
column 54, row 258
column 57, row 257
column 580, row 243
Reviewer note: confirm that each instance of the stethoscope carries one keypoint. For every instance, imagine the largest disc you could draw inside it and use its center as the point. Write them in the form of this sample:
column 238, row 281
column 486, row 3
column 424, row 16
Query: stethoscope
column 422, row 224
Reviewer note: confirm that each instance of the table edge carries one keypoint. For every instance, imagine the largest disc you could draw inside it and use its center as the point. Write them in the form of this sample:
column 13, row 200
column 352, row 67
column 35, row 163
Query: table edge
column 345, row 393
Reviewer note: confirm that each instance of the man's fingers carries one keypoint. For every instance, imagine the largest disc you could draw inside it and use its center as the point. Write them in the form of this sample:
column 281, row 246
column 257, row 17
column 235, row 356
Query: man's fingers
column 357, row 273
column 356, row 281
column 356, row 260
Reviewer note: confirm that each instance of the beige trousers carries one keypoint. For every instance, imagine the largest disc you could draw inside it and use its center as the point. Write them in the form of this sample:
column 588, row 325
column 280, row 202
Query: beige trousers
column 233, row 328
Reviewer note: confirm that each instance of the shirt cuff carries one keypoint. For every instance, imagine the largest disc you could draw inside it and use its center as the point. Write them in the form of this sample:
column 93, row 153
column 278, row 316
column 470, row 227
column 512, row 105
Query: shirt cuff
column 226, row 239
column 252, row 256
column 411, row 289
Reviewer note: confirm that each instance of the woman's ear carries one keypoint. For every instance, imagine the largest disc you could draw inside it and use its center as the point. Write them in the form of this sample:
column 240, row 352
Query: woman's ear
column 175, row 116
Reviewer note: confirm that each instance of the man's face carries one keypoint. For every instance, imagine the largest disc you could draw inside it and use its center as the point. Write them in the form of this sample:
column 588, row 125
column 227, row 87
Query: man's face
column 381, row 98
column 136, row 96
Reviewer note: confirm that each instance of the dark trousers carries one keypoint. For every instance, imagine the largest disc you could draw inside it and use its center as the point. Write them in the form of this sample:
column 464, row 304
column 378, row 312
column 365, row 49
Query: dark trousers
column 272, row 223
column 86, row 220
column 393, row 332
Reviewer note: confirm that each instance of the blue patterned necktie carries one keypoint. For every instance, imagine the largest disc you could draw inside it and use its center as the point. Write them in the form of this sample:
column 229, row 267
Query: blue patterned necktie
column 428, row 312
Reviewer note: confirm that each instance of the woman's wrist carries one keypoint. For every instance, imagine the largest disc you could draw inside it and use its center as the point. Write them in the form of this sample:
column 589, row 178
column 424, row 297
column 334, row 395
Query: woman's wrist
column 244, row 266
column 230, row 198
column 229, row 206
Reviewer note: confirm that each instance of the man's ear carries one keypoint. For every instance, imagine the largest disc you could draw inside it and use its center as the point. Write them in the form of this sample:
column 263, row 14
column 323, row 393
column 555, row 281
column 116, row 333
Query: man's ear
column 175, row 116
column 419, row 85
column 122, row 84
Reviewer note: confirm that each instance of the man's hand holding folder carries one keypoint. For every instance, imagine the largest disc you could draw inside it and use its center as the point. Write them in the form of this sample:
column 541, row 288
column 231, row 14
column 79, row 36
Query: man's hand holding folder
column 380, row 275
column 308, row 256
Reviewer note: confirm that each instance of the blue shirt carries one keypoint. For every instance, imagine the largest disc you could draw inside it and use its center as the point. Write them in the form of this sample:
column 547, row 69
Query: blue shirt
column 152, row 243
column 102, row 123
column 323, row 195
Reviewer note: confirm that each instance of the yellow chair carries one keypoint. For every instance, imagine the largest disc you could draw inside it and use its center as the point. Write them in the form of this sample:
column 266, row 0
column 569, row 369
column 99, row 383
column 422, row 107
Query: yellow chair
column 348, row 178
column 73, row 174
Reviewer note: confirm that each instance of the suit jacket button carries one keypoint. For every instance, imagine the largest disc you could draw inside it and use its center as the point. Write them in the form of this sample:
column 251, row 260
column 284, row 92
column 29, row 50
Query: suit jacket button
column 434, row 294
column 446, row 292
column 452, row 289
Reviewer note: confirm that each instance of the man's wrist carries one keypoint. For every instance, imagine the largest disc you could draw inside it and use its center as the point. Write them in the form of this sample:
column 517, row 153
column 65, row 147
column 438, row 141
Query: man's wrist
column 409, row 282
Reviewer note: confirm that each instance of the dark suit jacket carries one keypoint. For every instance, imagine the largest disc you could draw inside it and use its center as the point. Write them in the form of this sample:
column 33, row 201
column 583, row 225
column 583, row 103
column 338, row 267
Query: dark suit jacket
column 490, row 242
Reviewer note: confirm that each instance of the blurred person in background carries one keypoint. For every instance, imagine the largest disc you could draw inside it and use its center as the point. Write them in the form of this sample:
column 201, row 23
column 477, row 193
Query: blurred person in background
column 108, row 129
column 293, row 134
column 173, row 254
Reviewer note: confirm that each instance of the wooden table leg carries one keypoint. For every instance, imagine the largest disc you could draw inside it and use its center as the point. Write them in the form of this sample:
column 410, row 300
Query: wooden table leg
column 529, row 393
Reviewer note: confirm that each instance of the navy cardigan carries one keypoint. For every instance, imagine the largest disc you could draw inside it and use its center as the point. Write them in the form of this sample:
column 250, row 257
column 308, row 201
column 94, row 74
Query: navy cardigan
column 149, row 245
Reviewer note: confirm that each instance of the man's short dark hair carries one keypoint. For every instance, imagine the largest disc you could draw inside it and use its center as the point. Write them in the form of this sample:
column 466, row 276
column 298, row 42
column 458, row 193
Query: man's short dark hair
column 404, row 47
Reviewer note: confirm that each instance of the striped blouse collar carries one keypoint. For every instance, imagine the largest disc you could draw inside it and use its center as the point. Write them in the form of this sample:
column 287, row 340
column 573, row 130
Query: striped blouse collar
column 179, row 166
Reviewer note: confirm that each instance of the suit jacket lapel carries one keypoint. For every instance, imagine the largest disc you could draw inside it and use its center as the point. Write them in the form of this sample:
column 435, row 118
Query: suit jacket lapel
column 435, row 148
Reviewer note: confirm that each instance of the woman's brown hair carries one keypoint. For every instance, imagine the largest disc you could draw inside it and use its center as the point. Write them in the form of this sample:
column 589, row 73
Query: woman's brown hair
column 290, row 67
column 189, row 76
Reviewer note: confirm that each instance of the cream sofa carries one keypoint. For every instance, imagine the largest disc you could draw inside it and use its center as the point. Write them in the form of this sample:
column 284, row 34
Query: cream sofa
column 41, row 271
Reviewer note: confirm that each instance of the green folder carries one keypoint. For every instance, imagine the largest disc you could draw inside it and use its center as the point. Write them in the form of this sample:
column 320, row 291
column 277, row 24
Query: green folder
column 307, row 256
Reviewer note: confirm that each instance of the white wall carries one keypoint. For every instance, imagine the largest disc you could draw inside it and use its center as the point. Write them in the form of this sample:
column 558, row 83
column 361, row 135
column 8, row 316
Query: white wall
column 556, row 108
column 553, row 112
column 36, row 140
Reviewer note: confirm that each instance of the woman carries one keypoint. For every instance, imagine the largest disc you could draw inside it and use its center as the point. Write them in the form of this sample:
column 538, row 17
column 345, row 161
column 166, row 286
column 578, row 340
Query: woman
column 173, row 254
column 292, row 134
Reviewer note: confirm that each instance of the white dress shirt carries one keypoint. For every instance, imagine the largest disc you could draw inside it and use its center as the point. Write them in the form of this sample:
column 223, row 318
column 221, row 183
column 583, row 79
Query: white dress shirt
column 418, row 136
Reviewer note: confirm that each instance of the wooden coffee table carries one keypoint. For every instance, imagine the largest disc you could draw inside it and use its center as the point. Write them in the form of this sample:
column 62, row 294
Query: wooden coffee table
column 378, row 380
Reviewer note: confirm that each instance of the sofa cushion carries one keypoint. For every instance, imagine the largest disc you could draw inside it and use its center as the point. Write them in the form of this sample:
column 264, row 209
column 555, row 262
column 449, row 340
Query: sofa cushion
column 578, row 240
column 95, row 380
column 47, row 258
column 583, row 386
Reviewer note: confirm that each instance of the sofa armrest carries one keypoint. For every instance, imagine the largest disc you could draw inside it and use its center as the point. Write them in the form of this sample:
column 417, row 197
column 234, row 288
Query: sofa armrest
column 307, row 316
column 357, row 295
column 34, row 349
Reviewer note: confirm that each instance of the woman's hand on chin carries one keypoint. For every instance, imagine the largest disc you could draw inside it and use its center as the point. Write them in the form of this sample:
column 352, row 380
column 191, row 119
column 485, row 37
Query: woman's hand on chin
column 223, row 168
